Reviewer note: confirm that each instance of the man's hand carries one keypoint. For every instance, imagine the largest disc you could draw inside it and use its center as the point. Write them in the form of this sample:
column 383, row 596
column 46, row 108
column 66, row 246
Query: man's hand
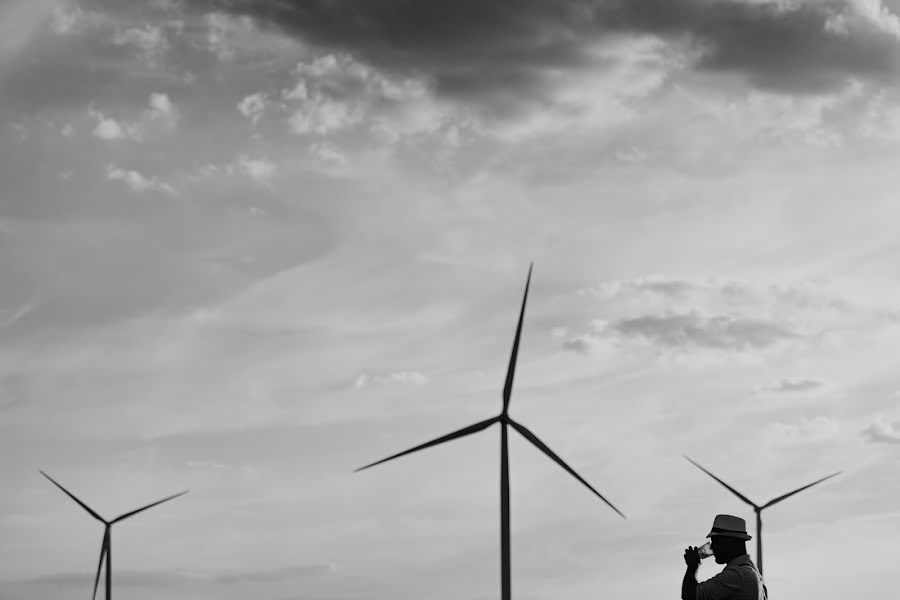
column 691, row 557
column 689, row 583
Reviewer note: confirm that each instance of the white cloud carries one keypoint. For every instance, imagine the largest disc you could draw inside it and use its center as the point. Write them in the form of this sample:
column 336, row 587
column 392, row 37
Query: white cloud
column 110, row 129
column 398, row 378
column 68, row 130
column 328, row 153
column 863, row 14
column 882, row 430
column 334, row 92
column 260, row 169
column 161, row 111
column 253, row 106
column 149, row 39
column 789, row 385
column 222, row 29
column 136, row 181
column 67, row 18
column 64, row 19
column 161, row 115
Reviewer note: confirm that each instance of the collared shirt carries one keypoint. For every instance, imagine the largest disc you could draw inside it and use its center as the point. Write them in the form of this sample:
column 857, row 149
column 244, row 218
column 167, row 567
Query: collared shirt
column 739, row 580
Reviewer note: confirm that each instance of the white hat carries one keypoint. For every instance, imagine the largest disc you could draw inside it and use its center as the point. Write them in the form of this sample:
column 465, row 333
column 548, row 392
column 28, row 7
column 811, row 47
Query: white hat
column 729, row 526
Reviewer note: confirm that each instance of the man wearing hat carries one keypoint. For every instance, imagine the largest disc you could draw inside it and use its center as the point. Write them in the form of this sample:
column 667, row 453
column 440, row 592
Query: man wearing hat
column 739, row 580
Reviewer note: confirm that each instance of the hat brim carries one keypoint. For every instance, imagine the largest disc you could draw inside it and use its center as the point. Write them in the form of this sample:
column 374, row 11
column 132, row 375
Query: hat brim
column 736, row 534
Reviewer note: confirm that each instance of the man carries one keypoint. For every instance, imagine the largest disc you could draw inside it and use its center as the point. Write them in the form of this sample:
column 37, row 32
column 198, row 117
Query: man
column 739, row 580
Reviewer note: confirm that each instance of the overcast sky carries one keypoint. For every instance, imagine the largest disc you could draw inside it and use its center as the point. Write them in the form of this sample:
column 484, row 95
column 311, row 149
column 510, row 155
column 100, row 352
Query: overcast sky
column 247, row 247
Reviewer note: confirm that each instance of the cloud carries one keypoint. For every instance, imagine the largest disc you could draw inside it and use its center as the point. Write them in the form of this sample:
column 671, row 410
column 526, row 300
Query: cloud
column 717, row 314
column 585, row 344
column 222, row 29
column 136, row 181
column 398, row 378
column 882, row 431
column 261, row 169
column 789, row 385
column 64, row 19
column 327, row 152
column 496, row 50
column 70, row 19
column 110, row 129
column 800, row 294
column 334, row 92
column 149, row 39
column 253, row 106
column 693, row 330
column 161, row 115
column 818, row 429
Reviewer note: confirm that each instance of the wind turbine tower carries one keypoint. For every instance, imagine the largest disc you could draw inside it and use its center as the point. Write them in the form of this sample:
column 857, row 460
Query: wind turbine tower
column 106, row 546
column 758, row 509
column 505, row 421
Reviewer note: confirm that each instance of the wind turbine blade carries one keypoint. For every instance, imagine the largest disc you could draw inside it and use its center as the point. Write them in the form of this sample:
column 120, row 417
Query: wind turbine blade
column 143, row 508
column 730, row 489
column 100, row 564
column 511, row 371
column 798, row 490
column 72, row 496
column 546, row 450
column 450, row 436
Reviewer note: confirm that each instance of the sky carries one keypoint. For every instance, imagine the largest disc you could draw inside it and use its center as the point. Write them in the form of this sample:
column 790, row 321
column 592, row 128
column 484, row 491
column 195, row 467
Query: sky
column 248, row 247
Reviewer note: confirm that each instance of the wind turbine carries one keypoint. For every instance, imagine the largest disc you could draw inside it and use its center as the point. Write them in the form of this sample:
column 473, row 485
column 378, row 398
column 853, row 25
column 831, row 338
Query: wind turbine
column 106, row 546
column 505, row 422
column 759, row 509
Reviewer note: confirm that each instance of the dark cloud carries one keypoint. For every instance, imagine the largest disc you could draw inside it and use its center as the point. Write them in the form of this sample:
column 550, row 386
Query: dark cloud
column 691, row 330
column 499, row 48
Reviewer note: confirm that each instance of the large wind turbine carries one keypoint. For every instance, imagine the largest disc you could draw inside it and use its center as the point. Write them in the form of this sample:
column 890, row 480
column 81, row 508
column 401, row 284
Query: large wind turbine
column 759, row 509
column 505, row 422
column 106, row 546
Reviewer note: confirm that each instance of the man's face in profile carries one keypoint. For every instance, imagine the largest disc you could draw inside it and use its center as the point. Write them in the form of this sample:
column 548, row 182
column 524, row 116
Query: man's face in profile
column 718, row 547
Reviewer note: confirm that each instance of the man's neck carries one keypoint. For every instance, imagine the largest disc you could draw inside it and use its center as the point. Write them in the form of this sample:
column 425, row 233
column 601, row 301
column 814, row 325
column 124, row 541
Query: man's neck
column 733, row 555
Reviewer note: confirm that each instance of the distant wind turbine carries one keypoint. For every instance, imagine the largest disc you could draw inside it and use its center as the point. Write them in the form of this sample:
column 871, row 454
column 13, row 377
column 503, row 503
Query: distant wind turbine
column 106, row 546
column 505, row 421
column 759, row 509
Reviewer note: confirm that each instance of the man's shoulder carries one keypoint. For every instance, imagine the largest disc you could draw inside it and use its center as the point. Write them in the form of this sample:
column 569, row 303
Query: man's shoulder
column 738, row 580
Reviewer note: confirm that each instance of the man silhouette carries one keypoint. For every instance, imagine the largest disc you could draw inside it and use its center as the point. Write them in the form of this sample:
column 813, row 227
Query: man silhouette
column 739, row 580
